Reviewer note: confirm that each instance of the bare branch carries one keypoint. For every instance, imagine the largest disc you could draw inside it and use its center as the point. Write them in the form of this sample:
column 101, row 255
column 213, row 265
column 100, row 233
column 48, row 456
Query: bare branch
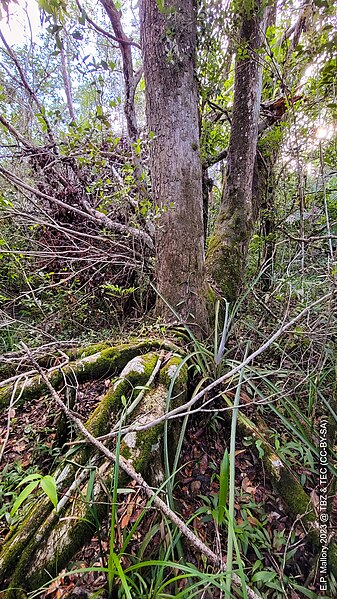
column 15, row 133
column 67, row 84
column 107, row 33
column 91, row 214
column 27, row 86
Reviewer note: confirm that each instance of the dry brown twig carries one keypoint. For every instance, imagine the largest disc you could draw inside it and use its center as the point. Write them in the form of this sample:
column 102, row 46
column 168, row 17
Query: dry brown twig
column 12, row 402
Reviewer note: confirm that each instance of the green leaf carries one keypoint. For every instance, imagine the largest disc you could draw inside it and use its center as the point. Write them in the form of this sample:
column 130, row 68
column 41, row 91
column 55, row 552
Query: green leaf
column 161, row 5
column 264, row 576
column 223, row 491
column 90, row 486
column 304, row 591
column 48, row 484
column 27, row 479
column 23, row 495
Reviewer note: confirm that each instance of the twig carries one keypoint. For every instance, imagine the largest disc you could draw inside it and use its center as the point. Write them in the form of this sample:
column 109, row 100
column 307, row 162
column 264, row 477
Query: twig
column 9, row 416
column 99, row 29
column 16, row 133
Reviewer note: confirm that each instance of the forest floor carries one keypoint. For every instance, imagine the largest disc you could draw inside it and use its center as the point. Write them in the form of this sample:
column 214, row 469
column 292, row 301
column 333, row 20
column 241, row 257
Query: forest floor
column 263, row 526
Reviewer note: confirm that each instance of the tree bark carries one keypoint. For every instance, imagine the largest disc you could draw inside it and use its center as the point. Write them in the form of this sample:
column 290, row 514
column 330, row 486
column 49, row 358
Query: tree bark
column 228, row 245
column 67, row 83
column 168, row 46
column 130, row 83
column 125, row 48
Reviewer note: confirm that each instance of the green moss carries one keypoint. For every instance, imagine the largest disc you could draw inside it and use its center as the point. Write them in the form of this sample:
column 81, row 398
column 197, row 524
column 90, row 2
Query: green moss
column 21, row 534
column 32, row 579
column 169, row 371
column 89, row 350
column 291, row 491
column 211, row 299
column 142, row 447
column 92, row 367
column 110, row 404
column 224, row 265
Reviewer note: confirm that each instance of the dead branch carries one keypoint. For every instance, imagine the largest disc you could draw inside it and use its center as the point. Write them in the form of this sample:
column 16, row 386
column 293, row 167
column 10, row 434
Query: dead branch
column 92, row 214
column 106, row 33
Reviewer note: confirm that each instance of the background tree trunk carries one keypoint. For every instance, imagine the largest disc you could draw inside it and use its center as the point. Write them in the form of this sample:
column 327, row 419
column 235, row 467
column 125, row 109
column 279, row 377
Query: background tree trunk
column 228, row 245
column 168, row 45
column 131, row 81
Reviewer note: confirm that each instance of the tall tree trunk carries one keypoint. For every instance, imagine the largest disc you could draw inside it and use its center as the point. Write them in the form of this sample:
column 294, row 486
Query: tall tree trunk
column 131, row 81
column 168, row 45
column 67, row 81
column 228, row 245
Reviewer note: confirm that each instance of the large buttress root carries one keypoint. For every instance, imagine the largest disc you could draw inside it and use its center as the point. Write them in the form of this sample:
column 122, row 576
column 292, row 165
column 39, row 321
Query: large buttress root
column 44, row 541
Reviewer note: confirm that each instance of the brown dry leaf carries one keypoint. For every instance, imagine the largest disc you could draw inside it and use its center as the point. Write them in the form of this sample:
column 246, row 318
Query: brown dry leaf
column 11, row 412
column 203, row 464
column 125, row 520
column 247, row 486
column 55, row 585
column 253, row 521
column 19, row 448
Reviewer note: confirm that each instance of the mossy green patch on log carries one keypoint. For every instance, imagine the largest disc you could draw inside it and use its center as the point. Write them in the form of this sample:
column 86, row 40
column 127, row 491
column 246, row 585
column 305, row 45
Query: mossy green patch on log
column 104, row 363
column 88, row 350
column 170, row 371
column 287, row 485
column 224, row 265
column 105, row 415
column 138, row 445
column 55, row 542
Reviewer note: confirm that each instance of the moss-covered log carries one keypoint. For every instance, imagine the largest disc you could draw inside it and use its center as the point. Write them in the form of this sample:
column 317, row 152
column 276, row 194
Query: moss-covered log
column 287, row 485
column 44, row 541
column 87, row 363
